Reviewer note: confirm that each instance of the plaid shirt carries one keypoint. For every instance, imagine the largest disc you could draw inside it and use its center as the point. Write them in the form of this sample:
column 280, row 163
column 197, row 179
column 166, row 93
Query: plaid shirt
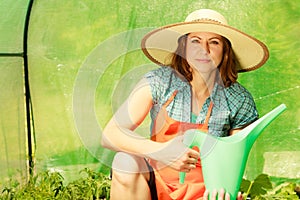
column 233, row 107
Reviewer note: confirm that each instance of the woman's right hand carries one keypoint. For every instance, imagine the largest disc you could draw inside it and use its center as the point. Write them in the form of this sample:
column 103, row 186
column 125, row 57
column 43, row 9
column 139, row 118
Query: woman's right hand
column 176, row 155
column 220, row 195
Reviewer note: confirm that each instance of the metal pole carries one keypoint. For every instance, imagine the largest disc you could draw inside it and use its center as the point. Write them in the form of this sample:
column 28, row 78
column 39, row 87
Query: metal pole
column 29, row 119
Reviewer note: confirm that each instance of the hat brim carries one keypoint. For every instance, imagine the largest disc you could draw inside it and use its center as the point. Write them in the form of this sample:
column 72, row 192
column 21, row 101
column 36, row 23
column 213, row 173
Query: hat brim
column 160, row 44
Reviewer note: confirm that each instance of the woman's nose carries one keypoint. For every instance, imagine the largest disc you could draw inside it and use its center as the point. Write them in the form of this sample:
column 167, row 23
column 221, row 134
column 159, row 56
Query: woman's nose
column 205, row 47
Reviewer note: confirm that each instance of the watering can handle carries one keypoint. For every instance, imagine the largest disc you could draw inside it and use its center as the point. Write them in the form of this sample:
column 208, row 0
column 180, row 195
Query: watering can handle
column 190, row 139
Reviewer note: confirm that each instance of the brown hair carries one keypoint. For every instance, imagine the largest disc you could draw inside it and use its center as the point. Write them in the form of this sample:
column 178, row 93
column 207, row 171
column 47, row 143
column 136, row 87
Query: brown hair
column 227, row 67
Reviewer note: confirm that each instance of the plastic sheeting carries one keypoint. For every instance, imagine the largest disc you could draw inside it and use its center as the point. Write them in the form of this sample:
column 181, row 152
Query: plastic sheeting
column 86, row 53
column 13, row 132
column 12, row 25
column 13, row 159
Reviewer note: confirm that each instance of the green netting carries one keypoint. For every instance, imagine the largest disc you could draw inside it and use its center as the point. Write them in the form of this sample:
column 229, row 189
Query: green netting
column 12, row 15
column 13, row 141
column 13, row 132
column 97, row 42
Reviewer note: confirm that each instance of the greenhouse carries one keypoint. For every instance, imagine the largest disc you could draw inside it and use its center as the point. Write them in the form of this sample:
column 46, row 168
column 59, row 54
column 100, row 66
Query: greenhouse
column 66, row 67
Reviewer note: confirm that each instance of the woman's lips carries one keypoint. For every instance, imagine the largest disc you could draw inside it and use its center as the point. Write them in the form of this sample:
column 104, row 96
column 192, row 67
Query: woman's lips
column 203, row 60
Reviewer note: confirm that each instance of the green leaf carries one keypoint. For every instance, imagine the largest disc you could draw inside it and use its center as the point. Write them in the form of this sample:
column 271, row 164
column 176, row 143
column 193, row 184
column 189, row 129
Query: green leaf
column 245, row 185
column 264, row 181
column 260, row 185
column 257, row 187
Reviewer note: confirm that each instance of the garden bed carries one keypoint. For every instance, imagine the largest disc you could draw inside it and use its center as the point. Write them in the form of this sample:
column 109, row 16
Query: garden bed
column 96, row 186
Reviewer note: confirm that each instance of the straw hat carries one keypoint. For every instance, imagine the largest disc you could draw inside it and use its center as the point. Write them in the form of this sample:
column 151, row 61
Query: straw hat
column 159, row 44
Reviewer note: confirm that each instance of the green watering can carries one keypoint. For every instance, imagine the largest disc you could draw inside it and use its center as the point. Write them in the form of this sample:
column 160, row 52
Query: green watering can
column 224, row 159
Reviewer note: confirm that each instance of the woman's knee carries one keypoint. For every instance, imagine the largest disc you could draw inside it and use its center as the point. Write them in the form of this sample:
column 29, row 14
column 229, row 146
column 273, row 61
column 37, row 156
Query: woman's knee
column 127, row 168
column 127, row 163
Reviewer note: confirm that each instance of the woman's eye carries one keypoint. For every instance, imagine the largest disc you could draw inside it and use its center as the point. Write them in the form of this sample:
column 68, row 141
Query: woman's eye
column 215, row 42
column 195, row 40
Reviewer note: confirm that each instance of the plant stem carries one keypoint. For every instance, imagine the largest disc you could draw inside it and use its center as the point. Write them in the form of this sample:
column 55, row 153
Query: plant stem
column 250, row 186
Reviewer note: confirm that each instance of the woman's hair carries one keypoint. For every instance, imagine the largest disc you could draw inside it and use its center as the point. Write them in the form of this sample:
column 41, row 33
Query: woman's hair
column 227, row 67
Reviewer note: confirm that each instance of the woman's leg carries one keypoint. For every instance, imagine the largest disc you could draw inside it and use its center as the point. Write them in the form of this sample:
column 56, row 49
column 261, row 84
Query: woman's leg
column 130, row 178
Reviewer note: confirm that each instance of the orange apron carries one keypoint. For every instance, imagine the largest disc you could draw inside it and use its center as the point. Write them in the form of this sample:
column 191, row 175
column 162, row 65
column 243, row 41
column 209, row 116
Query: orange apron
column 167, row 179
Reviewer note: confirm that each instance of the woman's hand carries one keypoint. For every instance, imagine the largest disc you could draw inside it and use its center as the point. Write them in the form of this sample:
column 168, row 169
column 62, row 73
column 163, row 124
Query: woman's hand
column 176, row 155
column 220, row 195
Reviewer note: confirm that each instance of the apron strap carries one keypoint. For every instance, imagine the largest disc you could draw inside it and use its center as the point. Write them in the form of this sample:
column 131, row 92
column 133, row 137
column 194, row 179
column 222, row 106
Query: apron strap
column 208, row 114
column 170, row 99
column 208, row 111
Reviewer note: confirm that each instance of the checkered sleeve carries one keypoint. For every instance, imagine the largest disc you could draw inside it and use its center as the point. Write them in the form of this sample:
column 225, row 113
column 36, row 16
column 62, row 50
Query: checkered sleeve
column 245, row 110
column 158, row 80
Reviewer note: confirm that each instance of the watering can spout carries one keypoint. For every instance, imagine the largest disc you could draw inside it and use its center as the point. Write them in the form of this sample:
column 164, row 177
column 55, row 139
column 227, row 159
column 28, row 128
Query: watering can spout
column 255, row 129
column 226, row 170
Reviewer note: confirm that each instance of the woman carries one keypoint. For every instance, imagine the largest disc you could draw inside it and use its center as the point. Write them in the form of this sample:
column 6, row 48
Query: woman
column 195, row 88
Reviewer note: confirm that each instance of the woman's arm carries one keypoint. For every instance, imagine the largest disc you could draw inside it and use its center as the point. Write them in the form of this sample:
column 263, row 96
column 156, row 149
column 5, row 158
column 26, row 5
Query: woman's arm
column 234, row 131
column 119, row 133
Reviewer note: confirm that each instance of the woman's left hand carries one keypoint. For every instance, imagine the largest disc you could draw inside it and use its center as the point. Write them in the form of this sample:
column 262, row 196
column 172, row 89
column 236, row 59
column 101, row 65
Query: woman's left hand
column 220, row 195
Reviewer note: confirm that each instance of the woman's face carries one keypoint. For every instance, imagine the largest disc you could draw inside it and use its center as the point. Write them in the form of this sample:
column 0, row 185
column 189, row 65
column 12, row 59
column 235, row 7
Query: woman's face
column 204, row 51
